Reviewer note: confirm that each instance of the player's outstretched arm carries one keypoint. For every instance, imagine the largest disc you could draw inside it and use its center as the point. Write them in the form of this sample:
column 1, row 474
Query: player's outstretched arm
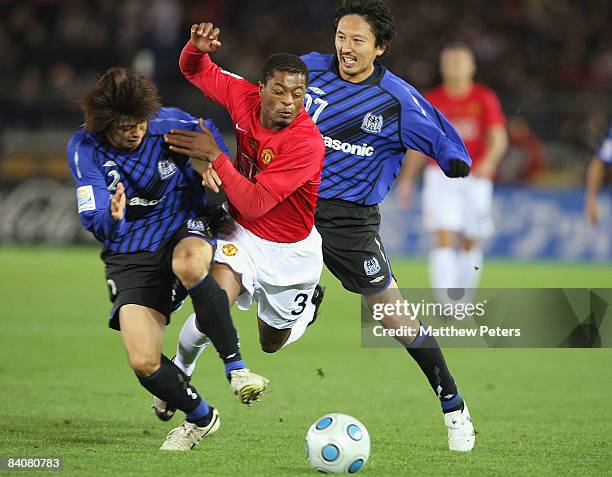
column 221, row 86
column 426, row 130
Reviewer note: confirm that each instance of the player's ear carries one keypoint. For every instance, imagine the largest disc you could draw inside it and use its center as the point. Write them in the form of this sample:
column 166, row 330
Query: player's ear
column 261, row 88
column 380, row 49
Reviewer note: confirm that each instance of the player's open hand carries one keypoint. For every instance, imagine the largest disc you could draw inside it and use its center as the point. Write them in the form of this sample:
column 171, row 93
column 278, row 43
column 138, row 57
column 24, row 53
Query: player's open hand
column 205, row 37
column 118, row 203
column 197, row 145
column 210, row 178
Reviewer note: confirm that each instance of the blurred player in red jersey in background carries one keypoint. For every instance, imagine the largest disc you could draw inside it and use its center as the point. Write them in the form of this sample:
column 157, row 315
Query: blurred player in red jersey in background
column 458, row 212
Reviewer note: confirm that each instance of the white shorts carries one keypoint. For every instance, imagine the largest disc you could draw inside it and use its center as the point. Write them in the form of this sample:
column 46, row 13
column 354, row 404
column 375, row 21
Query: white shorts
column 461, row 205
column 281, row 277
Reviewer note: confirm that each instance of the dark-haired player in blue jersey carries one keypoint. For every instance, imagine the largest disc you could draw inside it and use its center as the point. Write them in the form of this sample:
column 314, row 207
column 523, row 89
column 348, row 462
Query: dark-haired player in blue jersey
column 596, row 174
column 369, row 118
column 147, row 207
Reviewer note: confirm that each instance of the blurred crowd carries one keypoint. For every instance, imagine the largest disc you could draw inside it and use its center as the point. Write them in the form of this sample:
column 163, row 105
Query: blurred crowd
column 549, row 60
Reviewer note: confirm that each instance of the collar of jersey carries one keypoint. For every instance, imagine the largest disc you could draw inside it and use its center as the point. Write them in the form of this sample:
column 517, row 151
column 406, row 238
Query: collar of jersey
column 373, row 79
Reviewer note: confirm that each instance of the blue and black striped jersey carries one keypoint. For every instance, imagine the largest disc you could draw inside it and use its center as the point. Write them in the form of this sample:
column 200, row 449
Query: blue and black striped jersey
column 162, row 188
column 367, row 127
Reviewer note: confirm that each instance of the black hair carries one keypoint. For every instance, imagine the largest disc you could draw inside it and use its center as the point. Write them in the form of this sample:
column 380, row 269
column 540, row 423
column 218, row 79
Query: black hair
column 375, row 12
column 283, row 62
column 120, row 92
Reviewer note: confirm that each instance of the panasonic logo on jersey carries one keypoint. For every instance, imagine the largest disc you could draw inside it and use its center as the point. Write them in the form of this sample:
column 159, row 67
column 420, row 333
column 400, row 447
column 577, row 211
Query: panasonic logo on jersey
column 358, row 150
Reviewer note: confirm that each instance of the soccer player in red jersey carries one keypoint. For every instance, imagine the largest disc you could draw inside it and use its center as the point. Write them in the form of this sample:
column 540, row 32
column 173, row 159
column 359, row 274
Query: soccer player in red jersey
column 271, row 250
column 458, row 212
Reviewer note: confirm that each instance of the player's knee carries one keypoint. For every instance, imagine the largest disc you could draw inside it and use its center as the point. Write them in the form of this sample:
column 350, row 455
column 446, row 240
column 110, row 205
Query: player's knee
column 268, row 346
column 190, row 269
column 144, row 365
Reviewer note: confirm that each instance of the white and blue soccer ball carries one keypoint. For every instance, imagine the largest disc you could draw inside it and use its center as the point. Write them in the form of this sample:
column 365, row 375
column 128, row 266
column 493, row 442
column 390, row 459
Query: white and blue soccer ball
column 337, row 443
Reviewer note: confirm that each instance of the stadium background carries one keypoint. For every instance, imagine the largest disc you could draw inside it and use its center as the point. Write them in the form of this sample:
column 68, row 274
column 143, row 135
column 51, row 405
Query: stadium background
column 68, row 389
column 554, row 84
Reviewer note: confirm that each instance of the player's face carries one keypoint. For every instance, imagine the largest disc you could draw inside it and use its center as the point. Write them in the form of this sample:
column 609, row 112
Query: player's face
column 127, row 133
column 457, row 64
column 356, row 48
column 281, row 99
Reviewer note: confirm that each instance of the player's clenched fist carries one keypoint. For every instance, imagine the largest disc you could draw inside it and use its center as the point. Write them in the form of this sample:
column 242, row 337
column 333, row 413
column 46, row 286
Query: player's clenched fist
column 118, row 202
column 205, row 37
column 457, row 168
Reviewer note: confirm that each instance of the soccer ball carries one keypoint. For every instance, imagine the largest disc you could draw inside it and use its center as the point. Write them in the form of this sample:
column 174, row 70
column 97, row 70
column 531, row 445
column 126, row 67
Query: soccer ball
column 337, row 443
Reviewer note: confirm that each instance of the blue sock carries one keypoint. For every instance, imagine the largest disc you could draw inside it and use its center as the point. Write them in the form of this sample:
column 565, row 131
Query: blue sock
column 229, row 367
column 453, row 404
column 199, row 412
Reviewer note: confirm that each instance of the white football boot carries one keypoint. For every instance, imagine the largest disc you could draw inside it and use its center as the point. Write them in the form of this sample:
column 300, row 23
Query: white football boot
column 461, row 434
column 247, row 386
column 188, row 434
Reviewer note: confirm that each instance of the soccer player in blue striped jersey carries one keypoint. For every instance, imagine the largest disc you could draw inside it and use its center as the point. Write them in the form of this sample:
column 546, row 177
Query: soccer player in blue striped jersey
column 146, row 205
column 369, row 118
column 596, row 174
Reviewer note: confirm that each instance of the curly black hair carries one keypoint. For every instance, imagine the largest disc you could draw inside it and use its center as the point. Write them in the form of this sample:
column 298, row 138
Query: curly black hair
column 283, row 62
column 375, row 12
column 120, row 92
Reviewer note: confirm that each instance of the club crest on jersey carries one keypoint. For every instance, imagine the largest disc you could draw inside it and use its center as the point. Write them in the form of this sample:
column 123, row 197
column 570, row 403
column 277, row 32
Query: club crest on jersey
column 372, row 123
column 229, row 249
column 266, row 156
column 166, row 168
column 195, row 225
column 371, row 266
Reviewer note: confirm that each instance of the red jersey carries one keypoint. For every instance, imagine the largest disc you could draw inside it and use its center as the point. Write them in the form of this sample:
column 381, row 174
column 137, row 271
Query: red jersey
column 272, row 186
column 472, row 115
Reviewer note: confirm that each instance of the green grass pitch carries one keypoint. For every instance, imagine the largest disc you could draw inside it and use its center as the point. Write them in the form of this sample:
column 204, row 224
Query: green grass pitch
column 67, row 389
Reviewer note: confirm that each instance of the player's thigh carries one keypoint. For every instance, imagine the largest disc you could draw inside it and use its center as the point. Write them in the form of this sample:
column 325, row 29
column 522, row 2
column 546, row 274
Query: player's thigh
column 234, row 268
column 478, row 205
column 356, row 256
column 142, row 278
column 142, row 330
column 442, row 201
